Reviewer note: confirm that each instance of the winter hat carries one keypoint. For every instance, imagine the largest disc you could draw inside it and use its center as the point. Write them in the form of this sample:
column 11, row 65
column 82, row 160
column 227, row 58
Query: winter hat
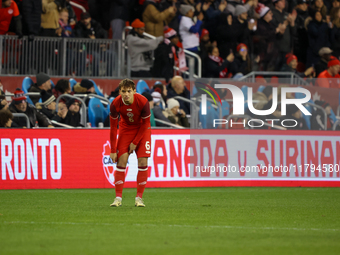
column 19, row 96
column 240, row 46
column 262, row 10
column 156, row 96
column 46, row 98
column 333, row 61
column 147, row 96
column 169, row 33
column 85, row 83
column 324, row 50
column 42, row 78
column 290, row 57
column 185, row 8
column 72, row 101
column 172, row 103
column 204, row 32
column 137, row 24
column 239, row 10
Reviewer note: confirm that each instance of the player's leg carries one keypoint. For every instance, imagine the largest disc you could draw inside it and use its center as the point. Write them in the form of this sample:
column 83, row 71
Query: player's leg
column 123, row 144
column 143, row 151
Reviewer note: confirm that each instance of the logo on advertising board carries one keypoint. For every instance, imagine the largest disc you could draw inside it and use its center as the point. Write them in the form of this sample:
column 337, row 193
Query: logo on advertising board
column 108, row 166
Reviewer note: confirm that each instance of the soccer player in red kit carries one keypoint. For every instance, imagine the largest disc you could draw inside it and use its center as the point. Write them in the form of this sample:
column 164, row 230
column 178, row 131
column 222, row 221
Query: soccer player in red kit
column 134, row 135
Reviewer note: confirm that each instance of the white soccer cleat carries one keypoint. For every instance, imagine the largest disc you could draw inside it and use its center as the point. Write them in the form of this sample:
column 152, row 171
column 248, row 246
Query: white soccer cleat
column 117, row 202
column 139, row 202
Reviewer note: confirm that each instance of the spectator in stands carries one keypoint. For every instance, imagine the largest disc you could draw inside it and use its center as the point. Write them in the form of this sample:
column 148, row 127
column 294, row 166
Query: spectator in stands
column 154, row 19
column 62, row 87
column 20, row 105
column 165, row 55
column 43, row 83
column 205, row 43
column 318, row 37
column 31, row 15
column 318, row 117
column 335, row 31
column 89, row 28
column 119, row 14
column 166, row 4
column 65, row 26
column 157, row 109
column 84, row 87
column 139, row 50
column 72, row 17
column 232, row 4
column 175, row 114
column 188, row 30
column 212, row 10
column 62, row 112
column 9, row 12
column 6, row 118
column 301, row 36
column 47, row 106
column 50, row 17
column 242, row 62
column 3, row 103
column 318, row 6
column 69, row 114
column 161, row 88
column 216, row 67
column 294, row 113
column 291, row 65
column 327, row 79
column 325, row 53
column 177, row 87
column 266, row 38
column 287, row 22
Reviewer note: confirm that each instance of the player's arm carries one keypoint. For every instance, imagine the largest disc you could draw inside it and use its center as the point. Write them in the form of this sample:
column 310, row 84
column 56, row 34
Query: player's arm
column 145, row 123
column 113, row 132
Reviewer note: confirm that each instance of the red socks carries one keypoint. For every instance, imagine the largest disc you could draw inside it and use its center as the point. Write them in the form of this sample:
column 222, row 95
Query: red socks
column 119, row 181
column 142, row 178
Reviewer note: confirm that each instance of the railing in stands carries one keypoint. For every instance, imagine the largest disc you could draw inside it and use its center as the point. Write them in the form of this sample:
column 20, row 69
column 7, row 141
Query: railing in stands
column 287, row 77
column 22, row 115
column 60, row 56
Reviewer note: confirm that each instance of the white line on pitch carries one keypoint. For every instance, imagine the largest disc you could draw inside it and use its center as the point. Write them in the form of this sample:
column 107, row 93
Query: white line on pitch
column 174, row 225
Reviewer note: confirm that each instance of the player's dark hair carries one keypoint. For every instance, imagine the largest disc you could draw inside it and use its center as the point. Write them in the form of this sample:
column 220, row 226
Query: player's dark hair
column 127, row 83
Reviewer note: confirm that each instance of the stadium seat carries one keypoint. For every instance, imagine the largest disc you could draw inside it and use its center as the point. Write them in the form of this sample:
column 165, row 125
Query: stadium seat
column 72, row 83
column 96, row 112
column 158, row 83
column 225, row 108
column 142, row 86
column 261, row 88
column 26, row 84
column 108, row 106
column 97, row 89
column 207, row 121
column 194, row 90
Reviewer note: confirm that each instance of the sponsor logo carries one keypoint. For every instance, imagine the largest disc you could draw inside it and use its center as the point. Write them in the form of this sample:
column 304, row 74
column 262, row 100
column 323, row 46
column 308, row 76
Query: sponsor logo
column 119, row 182
column 129, row 110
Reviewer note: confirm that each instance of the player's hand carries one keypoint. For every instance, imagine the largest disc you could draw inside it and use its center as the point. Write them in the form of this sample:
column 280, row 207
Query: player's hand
column 113, row 156
column 132, row 147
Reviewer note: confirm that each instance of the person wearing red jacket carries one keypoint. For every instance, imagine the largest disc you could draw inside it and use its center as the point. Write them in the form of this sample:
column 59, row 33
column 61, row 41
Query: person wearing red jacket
column 330, row 78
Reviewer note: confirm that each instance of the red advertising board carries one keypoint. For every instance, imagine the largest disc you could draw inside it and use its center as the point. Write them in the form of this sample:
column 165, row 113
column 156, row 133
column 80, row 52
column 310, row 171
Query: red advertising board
column 79, row 158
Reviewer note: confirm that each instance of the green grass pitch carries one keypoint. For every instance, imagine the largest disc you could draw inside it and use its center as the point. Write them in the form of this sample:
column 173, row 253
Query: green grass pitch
column 174, row 221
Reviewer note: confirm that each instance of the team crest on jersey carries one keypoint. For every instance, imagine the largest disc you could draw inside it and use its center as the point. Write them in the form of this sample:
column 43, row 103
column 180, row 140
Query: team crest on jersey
column 130, row 115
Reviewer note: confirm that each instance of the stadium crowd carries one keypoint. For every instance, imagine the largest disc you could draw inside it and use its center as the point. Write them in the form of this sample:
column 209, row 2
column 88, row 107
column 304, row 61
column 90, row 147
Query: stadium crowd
column 232, row 37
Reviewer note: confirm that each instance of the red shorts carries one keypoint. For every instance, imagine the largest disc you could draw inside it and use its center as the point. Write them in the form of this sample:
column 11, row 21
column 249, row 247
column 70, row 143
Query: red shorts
column 125, row 138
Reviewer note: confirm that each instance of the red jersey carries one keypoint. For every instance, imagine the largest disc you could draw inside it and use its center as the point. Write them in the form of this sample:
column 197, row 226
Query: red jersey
column 130, row 115
column 325, row 80
column 6, row 15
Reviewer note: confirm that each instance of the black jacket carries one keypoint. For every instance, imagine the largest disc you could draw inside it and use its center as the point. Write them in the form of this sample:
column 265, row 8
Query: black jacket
column 31, row 13
column 33, row 116
column 163, row 65
column 80, row 30
column 119, row 9
column 212, row 69
column 71, row 119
